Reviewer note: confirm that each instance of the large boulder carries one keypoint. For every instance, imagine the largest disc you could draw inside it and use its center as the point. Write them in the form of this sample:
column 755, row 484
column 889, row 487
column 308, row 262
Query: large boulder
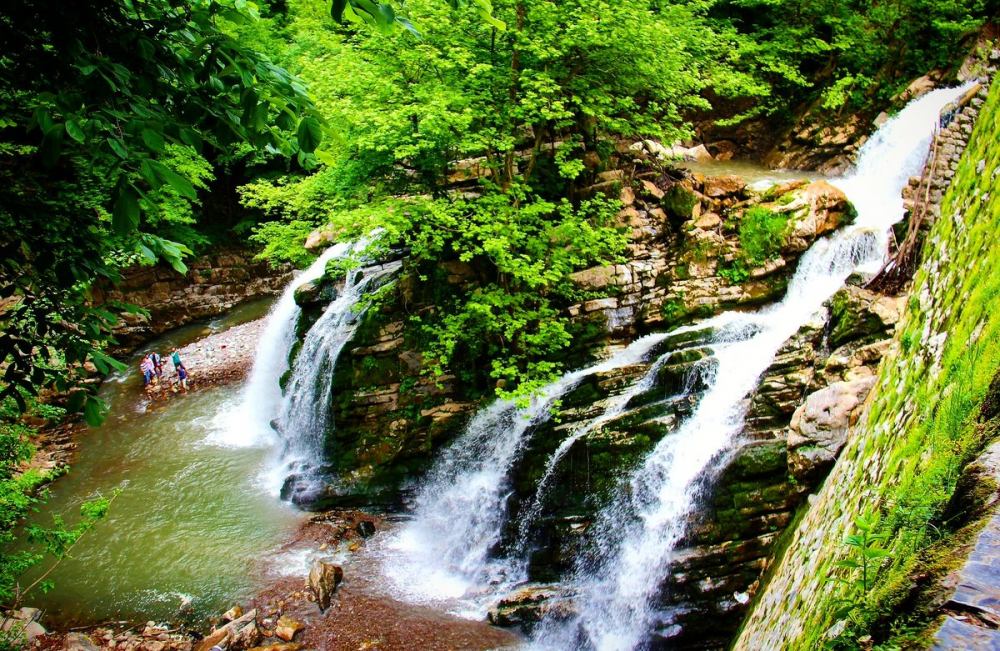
column 324, row 578
column 857, row 313
column 727, row 185
column 819, row 427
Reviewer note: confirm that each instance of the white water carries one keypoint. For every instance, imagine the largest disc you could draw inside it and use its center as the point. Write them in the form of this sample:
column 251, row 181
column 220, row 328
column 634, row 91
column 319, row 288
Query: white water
column 305, row 410
column 445, row 553
column 635, row 535
column 613, row 411
column 246, row 423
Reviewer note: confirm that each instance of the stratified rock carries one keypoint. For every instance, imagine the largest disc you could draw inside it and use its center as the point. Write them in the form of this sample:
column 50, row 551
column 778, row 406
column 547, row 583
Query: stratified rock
column 244, row 638
column 528, row 605
column 856, row 312
column 819, row 427
column 287, row 628
column 323, row 580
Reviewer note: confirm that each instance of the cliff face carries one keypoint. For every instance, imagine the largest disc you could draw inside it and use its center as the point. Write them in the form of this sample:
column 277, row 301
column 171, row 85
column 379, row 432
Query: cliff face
column 213, row 284
column 928, row 416
column 388, row 418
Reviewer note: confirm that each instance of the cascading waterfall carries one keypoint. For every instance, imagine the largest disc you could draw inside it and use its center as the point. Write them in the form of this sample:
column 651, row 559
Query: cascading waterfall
column 634, row 536
column 613, row 411
column 247, row 422
column 445, row 552
column 305, row 410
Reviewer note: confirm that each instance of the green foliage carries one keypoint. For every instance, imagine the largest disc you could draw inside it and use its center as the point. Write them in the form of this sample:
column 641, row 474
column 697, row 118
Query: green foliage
column 735, row 272
column 19, row 494
column 110, row 112
column 762, row 234
column 512, row 323
column 866, row 555
column 843, row 55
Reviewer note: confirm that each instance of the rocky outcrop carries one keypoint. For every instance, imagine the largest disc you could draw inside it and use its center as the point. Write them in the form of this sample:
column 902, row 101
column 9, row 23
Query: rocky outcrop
column 213, row 284
column 896, row 457
column 810, row 390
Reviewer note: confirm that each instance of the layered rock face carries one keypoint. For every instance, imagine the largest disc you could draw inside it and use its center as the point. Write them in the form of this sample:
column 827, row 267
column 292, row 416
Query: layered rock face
column 685, row 262
column 214, row 284
column 932, row 407
column 797, row 422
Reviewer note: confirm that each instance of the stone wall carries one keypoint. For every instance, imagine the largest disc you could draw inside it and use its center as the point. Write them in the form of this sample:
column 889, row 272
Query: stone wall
column 920, row 417
column 214, row 283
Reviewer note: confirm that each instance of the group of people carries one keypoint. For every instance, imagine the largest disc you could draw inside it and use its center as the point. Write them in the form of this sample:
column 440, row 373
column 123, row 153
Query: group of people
column 152, row 369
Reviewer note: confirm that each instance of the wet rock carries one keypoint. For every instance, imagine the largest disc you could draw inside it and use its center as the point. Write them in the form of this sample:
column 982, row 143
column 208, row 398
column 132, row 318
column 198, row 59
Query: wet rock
column 224, row 635
column 286, row 628
column 366, row 528
column 308, row 294
column 529, row 604
column 281, row 646
column 819, row 427
column 956, row 635
column 727, row 185
column 78, row 642
column 233, row 613
column 324, row 578
column 856, row 312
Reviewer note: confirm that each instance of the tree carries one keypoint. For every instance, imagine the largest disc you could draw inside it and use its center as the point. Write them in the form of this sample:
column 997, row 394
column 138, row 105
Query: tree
column 100, row 100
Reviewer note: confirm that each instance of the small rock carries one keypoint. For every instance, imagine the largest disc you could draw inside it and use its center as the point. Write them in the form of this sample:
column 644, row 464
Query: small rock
column 78, row 642
column 233, row 613
column 287, row 628
column 366, row 528
column 323, row 580
column 708, row 221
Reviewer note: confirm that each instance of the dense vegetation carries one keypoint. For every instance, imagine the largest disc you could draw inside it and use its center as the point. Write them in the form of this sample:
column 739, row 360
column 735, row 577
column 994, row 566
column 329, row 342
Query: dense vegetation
column 124, row 123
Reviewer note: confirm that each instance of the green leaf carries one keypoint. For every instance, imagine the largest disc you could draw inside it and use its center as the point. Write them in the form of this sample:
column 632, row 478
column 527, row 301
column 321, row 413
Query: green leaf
column 125, row 217
column 93, row 411
column 337, row 10
column 174, row 180
column 153, row 139
column 51, row 146
column 74, row 131
column 310, row 134
column 118, row 148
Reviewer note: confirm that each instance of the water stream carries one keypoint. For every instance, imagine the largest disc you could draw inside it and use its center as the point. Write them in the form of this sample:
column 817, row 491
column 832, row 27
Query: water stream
column 634, row 536
column 305, row 410
column 448, row 552
column 183, row 538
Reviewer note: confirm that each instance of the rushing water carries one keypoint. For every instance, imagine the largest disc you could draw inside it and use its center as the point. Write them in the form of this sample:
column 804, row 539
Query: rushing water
column 246, row 422
column 449, row 551
column 446, row 552
column 192, row 519
column 305, row 410
column 634, row 536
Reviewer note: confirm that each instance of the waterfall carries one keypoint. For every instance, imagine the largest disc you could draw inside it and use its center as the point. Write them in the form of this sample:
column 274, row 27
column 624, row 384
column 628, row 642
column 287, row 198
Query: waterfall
column 247, row 422
column 305, row 410
column 633, row 537
column 446, row 551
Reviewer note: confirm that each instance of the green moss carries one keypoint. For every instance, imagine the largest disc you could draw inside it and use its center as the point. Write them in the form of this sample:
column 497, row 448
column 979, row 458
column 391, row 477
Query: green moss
column 762, row 234
column 921, row 428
